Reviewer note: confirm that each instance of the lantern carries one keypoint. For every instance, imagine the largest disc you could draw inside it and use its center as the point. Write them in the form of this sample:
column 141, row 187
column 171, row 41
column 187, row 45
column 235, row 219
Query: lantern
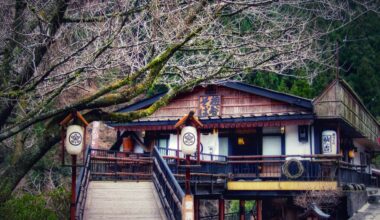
column 241, row 141
column 351, row 153
column 189, row 140
column 74, row 139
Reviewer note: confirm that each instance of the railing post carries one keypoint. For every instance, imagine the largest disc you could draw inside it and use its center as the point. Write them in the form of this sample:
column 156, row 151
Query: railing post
column 115, row 168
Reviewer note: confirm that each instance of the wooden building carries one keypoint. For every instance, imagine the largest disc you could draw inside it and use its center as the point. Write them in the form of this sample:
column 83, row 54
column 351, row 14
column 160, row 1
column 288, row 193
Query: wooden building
column 279, row 144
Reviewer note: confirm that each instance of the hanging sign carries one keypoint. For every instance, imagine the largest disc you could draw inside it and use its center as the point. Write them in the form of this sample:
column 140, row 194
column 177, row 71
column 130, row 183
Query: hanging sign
column 74, row 139
column 329, row 142
column 189, row 140
column 209, row 105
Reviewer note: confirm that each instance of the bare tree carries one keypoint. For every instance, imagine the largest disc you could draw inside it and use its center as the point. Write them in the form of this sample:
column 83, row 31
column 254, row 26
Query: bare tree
column 325, row 199
column 58, row 55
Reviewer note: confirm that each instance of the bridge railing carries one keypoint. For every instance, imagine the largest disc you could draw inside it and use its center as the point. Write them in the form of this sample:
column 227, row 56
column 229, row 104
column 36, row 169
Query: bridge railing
column 284, row 167
column 106, row 164
column 169, row 191
column 82, row 185
column 350, row 173
column 230, row 216
column 174, row 153
column 272, row 167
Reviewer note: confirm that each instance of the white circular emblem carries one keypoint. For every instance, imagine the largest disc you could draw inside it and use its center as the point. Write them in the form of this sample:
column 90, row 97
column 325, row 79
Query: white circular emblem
column 75, row 138
column 188, row 139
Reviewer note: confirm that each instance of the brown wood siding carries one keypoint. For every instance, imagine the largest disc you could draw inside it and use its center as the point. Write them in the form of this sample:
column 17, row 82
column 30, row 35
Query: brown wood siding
column 233, row 103
column 338, row 102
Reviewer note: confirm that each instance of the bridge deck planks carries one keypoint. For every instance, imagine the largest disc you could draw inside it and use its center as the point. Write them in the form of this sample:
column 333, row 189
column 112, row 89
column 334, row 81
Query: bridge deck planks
column 122, row 200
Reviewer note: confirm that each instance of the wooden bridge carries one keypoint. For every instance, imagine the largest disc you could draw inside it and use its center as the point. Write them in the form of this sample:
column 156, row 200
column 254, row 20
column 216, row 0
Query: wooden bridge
column 119, row 185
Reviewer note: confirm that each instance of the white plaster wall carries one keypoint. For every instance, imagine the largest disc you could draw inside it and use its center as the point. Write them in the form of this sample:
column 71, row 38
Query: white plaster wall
column 292, row 145
column 210, row 143
column 138, row 149
column 272, row 145
column 173, row 140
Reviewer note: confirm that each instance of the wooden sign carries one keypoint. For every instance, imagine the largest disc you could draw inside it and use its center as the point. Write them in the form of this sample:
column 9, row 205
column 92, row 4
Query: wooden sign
column 188, row 208
column 209, row 105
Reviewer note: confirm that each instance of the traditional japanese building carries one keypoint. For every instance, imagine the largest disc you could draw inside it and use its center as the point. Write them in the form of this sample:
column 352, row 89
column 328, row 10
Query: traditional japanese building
column 258, row 144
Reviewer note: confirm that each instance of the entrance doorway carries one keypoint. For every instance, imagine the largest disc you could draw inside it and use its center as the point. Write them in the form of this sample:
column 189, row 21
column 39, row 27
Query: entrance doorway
column 246, row 144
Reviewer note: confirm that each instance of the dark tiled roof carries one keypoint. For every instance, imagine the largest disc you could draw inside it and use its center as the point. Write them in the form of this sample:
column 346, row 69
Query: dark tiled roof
column 210, row 120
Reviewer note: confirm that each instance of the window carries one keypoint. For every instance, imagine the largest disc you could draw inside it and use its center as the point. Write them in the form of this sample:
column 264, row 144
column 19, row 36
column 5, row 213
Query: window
column 162, row 145
column 272, row 145
column 303, row 134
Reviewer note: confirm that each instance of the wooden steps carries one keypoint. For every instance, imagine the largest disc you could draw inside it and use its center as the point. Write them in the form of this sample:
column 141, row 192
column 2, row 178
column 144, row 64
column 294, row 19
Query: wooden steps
column 122, row 200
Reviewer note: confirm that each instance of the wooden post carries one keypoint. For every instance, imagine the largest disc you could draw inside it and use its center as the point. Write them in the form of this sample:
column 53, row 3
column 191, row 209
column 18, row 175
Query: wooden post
column 242, row 209
column 221, row 209
column 338, row 152
column 338, row 139
column 63, row 136
column 73, row 186
column 187, row 183
column 177, row 151
column 259, row 209
column 198, row 146
column 84, row 143
column 196, row 208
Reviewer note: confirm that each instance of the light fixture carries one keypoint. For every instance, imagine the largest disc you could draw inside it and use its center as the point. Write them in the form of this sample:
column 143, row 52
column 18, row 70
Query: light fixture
column 74, row 139
column 351, row 153
column 189, row 140
column 241, row 141
column 282, row 129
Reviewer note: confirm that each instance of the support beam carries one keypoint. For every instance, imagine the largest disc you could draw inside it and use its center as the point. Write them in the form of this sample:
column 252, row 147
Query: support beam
column 259, row 209
column 199, row 147
column 242, row 209
column 196, row 208
column 221, row 209
column 73, row 187
column 187, row 180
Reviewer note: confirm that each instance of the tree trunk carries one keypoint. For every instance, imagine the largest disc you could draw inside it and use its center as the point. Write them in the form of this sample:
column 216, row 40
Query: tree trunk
column 13, row 173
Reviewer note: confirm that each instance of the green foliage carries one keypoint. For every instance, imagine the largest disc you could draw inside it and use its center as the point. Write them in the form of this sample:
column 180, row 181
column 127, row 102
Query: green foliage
column 376, row 160
column 297, row 85
column 59, row 202
column 234, row 206
column 52, row 205
column 26, row 207
column 359, row 56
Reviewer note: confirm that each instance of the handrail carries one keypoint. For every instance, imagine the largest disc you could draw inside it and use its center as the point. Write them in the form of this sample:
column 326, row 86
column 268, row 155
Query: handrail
column 116, row 165
column 335, row 156
column 178, row 153
column 81, row 186
column 169, row 191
